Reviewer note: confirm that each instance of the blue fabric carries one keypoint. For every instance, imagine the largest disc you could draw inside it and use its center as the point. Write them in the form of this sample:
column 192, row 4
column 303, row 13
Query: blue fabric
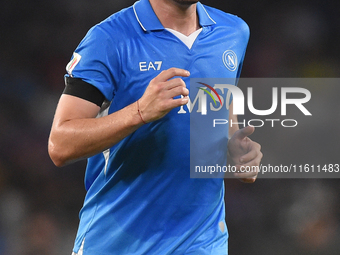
column 143, row 200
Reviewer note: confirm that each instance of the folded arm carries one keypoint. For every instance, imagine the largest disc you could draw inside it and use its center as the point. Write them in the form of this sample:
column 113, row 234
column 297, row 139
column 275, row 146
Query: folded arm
column 76, row 133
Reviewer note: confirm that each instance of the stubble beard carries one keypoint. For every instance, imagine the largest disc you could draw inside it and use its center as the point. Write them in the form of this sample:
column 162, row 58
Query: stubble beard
column 185, row 2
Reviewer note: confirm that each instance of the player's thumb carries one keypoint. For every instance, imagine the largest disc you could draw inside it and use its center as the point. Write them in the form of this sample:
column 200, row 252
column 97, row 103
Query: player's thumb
column 244, row 132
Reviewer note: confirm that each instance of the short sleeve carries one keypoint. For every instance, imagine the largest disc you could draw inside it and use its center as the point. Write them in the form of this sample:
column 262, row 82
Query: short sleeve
column 245, row 33
column 96, row 61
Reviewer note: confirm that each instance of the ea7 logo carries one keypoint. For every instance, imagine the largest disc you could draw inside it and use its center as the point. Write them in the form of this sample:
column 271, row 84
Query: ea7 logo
column 146, row 66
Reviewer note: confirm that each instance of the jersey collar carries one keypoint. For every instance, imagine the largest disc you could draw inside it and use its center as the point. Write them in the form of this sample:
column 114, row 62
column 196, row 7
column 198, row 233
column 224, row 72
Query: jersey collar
column 148, row 20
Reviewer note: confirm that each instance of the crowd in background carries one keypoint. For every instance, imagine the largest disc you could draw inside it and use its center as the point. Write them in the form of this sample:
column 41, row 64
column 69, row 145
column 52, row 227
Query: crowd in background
column 39, row 203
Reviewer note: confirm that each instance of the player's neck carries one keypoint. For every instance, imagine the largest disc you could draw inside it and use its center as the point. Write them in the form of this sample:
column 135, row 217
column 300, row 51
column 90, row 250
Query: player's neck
column 180, row 17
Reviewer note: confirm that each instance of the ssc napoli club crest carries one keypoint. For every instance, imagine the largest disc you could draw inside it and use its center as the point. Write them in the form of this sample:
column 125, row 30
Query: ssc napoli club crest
column 230, row 60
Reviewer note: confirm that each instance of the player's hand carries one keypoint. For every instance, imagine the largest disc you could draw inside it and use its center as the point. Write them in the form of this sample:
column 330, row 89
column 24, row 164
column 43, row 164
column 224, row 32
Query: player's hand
column 245, row 153
column 158, row 98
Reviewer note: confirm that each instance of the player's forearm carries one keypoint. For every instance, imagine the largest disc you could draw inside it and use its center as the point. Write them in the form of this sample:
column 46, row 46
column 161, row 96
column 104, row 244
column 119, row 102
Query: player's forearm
column 76, row 133
column 75, row 139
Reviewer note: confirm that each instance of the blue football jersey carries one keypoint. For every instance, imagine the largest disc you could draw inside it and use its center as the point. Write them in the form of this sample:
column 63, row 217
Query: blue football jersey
column 140, row 197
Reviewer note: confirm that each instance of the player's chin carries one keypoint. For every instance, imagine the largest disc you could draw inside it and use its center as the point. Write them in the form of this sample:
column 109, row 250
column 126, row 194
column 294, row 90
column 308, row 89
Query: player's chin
column 185, row 2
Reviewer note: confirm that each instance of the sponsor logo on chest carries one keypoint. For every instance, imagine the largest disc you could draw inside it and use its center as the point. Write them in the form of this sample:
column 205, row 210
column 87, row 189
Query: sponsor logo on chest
column 150, row 65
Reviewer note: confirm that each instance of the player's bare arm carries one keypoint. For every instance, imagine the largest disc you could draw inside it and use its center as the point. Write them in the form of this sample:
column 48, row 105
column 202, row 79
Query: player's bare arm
column 242, row 150
column 76, row 132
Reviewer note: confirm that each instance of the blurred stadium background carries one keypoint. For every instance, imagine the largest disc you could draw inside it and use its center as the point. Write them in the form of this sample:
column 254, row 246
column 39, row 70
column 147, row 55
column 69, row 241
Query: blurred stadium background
column 39, row 203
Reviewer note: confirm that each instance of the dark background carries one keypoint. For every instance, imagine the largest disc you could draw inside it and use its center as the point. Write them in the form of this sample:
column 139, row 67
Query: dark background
column 39, row 203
